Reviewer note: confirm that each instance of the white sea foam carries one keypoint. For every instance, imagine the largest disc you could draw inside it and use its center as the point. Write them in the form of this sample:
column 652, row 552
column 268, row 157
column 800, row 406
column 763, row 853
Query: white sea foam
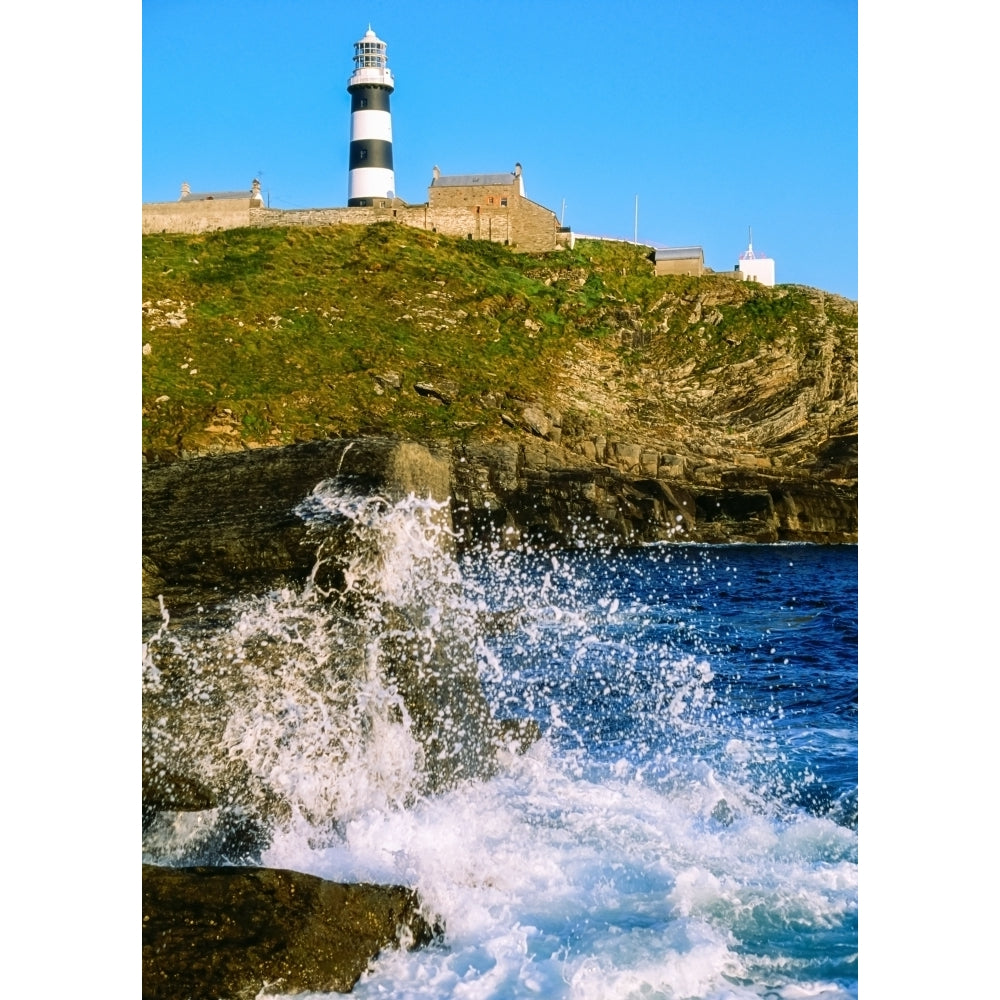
column 553, row 885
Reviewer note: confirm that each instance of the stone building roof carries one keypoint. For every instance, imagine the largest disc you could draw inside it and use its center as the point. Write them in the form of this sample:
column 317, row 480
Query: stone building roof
column 472, row 180
column 215, row 195
column 677, row 253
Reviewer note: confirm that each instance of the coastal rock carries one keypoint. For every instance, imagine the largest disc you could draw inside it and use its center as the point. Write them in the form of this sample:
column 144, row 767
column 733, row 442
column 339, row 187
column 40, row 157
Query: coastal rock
column 164, row 788
column 536, row 421
column 708, row 368
column 240, row 933
column 220, row 525
column 543, row 500
column 226, row 527
column 215, row 525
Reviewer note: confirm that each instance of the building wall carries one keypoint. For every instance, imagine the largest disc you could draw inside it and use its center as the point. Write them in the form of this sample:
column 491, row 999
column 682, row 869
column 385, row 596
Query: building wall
column 683, row 265
column 195, row 216
column 478, row 211
column 471, row 195
column 761, row 269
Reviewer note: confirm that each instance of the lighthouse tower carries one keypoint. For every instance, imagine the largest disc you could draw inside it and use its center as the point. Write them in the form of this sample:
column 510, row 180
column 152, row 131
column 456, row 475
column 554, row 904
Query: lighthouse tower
column 370, row 174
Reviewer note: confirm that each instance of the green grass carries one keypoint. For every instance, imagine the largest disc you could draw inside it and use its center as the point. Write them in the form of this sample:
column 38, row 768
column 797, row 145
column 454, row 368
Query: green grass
column 281, row 334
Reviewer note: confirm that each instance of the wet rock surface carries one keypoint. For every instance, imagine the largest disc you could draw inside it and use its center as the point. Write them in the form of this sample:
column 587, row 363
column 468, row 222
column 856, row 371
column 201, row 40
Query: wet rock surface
column 237, row 933
column 217, row 525
column 546, row 495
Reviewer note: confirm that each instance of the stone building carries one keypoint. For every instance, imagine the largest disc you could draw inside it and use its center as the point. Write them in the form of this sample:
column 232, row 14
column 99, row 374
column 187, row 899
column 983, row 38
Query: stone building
column 201, row 211
column 493, row 207
column 679, row 260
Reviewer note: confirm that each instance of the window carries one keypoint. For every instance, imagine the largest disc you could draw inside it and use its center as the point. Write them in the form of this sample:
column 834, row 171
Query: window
column 503, row 202
column 362, row 153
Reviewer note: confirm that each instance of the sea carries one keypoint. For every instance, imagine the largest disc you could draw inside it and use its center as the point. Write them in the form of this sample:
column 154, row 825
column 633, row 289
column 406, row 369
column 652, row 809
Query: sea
column 685, row 824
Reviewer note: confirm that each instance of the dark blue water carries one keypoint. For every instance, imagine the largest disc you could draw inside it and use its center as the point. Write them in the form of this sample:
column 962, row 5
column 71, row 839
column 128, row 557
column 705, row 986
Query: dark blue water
column 616, row 644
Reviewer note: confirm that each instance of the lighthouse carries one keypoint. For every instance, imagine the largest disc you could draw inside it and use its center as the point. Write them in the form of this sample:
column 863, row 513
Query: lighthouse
column 370, row 174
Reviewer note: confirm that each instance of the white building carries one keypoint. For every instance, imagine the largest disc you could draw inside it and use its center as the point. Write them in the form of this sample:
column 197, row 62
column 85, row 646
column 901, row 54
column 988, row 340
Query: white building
column 755, row 265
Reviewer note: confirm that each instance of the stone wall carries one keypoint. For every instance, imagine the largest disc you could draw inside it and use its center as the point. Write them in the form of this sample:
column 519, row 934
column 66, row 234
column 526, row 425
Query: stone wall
column 465, row 212
column 410, row 215
column 523, row 226
column 488, row 196
column 195, row 216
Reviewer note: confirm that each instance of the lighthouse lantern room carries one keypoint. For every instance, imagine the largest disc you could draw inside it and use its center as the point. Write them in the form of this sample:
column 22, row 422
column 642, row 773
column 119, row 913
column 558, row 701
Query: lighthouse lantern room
column 370, row 175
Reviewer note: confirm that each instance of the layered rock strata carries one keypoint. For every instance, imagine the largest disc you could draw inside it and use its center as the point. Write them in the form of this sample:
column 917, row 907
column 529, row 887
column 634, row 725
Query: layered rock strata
column 220, row 525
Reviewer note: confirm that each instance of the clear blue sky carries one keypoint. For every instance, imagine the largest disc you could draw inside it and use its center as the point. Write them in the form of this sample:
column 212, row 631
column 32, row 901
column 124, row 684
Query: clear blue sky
column 717, row 117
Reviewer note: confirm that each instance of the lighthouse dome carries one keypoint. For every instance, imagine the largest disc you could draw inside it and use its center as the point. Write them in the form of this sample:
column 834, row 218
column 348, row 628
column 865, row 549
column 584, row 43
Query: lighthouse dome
column 371, row 60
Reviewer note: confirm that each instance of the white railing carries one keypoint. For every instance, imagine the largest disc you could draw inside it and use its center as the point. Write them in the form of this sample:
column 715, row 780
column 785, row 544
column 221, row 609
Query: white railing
column 372, row 74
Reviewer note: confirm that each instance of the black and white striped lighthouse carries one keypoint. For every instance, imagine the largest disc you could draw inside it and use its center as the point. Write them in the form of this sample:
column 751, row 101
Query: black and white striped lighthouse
column 370, row 175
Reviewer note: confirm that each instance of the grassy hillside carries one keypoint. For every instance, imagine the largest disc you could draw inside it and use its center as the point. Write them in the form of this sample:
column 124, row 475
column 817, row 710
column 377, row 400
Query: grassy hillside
column 267, row 336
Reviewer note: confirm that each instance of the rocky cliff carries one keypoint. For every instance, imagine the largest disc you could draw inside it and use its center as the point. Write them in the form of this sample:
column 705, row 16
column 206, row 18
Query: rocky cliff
column 216, row 526
column 576, row 394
